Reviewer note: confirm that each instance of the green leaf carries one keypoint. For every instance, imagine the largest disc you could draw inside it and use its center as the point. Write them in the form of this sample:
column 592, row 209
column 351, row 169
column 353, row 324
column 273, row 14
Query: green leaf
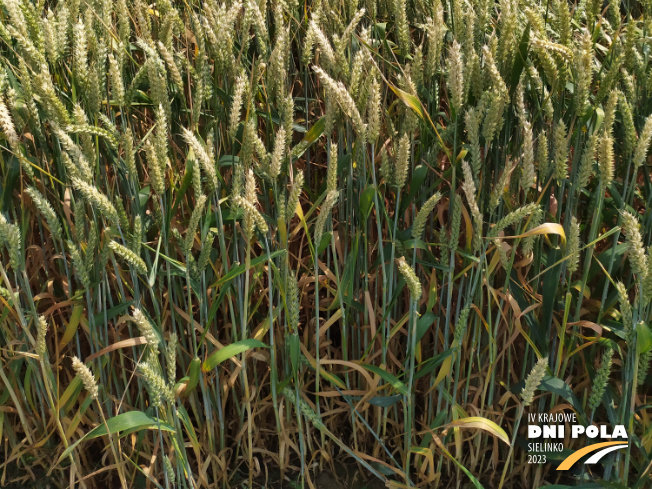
column 230, row 351
column 295, row 351
column 387, row 377
column 519, row 61
column 129, row 422
column 311, row 136
column 193, row 375
column 235, row 271
column 418, row 177
column 324, row 242
column 424, row 323
column 643, row 338
column 561, row 388
column 366, row 201
column 432, row 363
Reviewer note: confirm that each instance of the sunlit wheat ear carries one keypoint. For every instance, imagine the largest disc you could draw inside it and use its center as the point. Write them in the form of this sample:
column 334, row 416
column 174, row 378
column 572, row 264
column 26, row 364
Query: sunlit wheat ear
column 528, row 172
column 202, row 155
column 331, row 172
column 610, row 112
column 514, row 217
column 600, row 380
column 472, row 123
column 573, row 245
column 584, row 69
column 255, row 17
column 560, row 146
column 117, row 85
column 585, row 171
column 533, row 381
column 456, row 223
column 456, row 76
column 78, row 265
column 318, row 38
column 80, row 59
column 435, row 28
column 543, row 162
column 293, row 303
column 295, row 194
column 82, row 166
column 373, row 111
column 41, row 330
column 46, row 211
column 276, row 158
column 146, row 328
column 411, row 279
column 86, row 376
column 402, row 161
column 324, row 214
column 100, row 201
column 606, row 158
column 7, row 125
column 344, row 100
column 640, row 152
column 635, row 249
column 468, row 186
column 498, row 190
column 193, row 222
column 171, row 65
column 239, row 91
column 423, row 214
column 129, row 256
column 171, row 358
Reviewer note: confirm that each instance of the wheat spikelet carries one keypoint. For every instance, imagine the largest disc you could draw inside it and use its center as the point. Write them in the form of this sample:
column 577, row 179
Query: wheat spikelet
column 411, row 279
column 86, row 376
column 129, row 256
column 533, row 381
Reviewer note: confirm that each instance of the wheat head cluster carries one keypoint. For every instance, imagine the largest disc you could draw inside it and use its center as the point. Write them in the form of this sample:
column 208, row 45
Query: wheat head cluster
column 243, row 241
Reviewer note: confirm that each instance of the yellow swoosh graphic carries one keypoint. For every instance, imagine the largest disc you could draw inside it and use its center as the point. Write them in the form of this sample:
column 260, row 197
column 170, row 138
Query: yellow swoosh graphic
column 571, row 459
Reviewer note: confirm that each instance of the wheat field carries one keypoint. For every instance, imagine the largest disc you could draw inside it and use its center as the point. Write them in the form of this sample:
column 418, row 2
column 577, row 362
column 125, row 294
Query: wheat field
column 244, row 241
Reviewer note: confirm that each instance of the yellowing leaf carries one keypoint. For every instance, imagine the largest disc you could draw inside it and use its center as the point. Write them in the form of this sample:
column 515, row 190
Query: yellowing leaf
column 545, row 228
column 481, row 424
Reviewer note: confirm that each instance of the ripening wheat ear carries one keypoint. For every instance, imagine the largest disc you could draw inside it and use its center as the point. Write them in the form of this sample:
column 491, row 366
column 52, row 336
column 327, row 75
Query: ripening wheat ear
column 637, row 256
column 146, row 328
column 239, row 91
column 100, row 201
column 411, row 278
column 192, row 224
column 640, row 152
column 343, row 98
column 11, row 238
column 129, row 256
column 41, row 330
column 533, row 381
column 329, row 203
column 86, row 376
column 7, row 125
column 46, row 211
column 203, row 157
column 422, row 216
